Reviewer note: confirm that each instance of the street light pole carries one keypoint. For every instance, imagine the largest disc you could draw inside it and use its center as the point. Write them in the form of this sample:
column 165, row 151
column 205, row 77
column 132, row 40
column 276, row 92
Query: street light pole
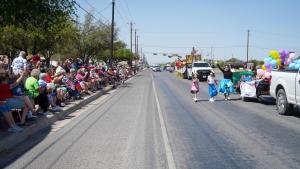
column 137, row 45
column 112, row 34
column 131, row 24
column 248, row 45
column 135, row 41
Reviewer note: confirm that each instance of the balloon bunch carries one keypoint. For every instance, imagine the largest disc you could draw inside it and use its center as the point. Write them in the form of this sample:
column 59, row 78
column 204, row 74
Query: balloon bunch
column 282, row 57
column 273, row 60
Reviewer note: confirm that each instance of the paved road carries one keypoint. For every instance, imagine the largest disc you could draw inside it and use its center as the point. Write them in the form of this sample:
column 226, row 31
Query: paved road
column 141, row 126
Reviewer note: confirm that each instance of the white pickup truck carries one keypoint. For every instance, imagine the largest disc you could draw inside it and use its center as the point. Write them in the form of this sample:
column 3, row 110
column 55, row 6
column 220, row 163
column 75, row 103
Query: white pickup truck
column 285, row 87
column 201, row 69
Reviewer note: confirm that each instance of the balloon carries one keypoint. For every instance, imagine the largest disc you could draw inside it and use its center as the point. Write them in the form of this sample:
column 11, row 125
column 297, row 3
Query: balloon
column 274, row 54
column 264, row 67
column 270, row 59
column 283, row 55
column 267, row 64
column 260, row 72
column 267, row 59
column 297, row 61
column 292, row 56
column 297, row 66
column 292, row 65
column 278, row 62
column 283, row 52
column 269, row 69
column 274, row 63
column 288, row 61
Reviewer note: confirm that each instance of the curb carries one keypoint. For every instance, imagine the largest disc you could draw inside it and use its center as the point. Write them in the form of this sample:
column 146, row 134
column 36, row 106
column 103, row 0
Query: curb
column 12, row 139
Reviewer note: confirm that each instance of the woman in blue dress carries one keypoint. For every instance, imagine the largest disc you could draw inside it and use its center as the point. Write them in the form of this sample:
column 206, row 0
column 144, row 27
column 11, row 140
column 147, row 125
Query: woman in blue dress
column 226, row 85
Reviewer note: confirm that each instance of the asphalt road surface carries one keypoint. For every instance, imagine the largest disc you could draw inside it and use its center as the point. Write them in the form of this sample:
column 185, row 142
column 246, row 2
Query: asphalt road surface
column 153, row 123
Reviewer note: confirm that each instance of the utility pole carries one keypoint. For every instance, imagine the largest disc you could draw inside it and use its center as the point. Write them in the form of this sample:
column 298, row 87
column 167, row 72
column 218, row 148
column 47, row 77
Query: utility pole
column 135, row 42
column 131, row 24
column 212, row 54
column 248, row 45
column 112, row 34
column 141, row 57
column 137, row 45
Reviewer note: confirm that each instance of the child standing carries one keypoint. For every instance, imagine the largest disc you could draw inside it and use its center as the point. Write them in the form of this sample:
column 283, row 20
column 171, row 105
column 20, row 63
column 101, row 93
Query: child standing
column 195, row 87
column 212, row 87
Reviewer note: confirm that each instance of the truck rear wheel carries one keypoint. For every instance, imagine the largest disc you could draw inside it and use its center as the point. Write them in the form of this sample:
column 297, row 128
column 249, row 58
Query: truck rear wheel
column 283, row 107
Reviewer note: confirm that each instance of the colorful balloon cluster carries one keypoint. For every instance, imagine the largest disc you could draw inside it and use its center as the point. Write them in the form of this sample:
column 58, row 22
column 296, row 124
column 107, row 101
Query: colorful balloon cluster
column 282, row 57
column 277, row 59
column 273, row 60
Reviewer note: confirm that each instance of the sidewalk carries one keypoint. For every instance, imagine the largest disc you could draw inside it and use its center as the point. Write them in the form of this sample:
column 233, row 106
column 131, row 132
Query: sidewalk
column 10, row 140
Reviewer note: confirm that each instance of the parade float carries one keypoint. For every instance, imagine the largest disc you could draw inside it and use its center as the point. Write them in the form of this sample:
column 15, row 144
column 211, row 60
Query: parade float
column 255, row 87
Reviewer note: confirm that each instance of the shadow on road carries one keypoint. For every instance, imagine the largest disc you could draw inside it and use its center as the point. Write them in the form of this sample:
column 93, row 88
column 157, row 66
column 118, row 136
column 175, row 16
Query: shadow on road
column 126, row 85
column 219, row 100
column 8, row 156
column 295, row 112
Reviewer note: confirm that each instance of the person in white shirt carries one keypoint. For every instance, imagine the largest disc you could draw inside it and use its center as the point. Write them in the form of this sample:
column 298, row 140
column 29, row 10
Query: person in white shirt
column 19, row 64
column 212, row 86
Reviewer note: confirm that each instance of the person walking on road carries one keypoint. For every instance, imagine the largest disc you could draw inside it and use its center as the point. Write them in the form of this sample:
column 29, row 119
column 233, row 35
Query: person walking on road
column 195, row 87
column 212, row 86
column 226, row 85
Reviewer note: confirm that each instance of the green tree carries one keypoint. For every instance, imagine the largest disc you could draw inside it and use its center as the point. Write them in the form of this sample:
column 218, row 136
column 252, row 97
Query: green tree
column 256, row 62
column 33, row 26
column 123, row 54
column 37, row 13
column 233, row 61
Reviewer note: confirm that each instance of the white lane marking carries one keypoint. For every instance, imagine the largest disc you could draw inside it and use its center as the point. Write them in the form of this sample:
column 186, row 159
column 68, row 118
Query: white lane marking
column 167, row 146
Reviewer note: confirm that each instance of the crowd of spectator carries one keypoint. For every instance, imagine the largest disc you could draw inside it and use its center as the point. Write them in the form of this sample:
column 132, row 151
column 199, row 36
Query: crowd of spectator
column 30, row 88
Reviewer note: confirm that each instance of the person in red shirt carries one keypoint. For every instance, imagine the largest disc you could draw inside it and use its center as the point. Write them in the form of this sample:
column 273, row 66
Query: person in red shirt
column 49, row 76
column 7, row 96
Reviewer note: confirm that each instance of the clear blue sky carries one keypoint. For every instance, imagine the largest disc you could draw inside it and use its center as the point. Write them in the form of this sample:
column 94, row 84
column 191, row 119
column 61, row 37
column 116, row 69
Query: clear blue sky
column 169, row 26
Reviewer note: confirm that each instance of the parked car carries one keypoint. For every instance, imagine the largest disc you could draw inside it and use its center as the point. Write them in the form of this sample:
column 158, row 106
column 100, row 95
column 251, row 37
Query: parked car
column 201, row 69
column 285, row 87
column 156, row 69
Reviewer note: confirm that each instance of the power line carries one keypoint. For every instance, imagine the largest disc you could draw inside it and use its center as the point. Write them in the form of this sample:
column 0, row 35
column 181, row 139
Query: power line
column 89, row 13
column 102, row 10
column 128, row 10
column 122, row 18
column 96, row 10
column 123, row 11
column 276, row 34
